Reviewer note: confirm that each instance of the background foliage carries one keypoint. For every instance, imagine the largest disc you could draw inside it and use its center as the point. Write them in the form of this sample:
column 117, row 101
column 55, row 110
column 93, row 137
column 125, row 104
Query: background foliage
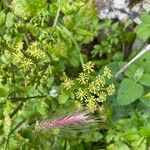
column 46, row 49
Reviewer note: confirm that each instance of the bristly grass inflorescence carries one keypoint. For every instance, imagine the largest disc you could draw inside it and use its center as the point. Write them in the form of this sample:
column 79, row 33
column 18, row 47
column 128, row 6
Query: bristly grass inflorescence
column 70, row 120
column 90, row 89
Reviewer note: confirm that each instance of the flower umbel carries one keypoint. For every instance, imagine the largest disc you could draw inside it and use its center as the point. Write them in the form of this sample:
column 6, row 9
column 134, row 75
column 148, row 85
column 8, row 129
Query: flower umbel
column 107, row 72
column 83, row 78
column 100, row 81
column 81, row 94
column 101, row 97
column 111, row 90
column 88, row 67
column 91, row 104
column 67, row 84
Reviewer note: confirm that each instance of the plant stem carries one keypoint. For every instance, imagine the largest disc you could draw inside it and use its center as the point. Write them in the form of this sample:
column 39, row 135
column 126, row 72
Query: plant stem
column 56, row 17
column 8, row 4
column 67, row 32
column 16, row 110
column 146, row 49
column 16, row 99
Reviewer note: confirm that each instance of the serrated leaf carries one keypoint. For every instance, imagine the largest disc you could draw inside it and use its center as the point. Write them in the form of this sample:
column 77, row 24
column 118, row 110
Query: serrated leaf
column 128, row 92
column 27, row 8
column 138, row 74
column 145, row 80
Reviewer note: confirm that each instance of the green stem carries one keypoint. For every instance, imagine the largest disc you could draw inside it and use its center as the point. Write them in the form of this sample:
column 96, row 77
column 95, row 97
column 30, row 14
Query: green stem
column 67, row 32
column 146, row 49
column 16, row 110
column 56, row 17
column 16, row 99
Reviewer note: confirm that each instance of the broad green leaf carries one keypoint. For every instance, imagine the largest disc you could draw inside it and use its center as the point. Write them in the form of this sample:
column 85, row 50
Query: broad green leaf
column 143, row 31
column 128, row 92
column 145, row 131
column 145, row 80
column 145, row 17
column 63, row 98
column 118, row 146
column 138, row 74
column 131, row 70
column 144, row 62
column 131, row 136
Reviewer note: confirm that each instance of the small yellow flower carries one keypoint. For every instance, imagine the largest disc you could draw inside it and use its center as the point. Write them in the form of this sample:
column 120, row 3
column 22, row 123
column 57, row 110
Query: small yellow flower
column 111, row 89
column 88, row 67
column 100, row 81
column 93, row 88
column 27, row 63
column 107, row 72
column 67, row 84
column 83, row 78
column 91, row 104
column 18, row 57
column 35, row 52
column 81, row 94
column 101, row 97
column 19, row 46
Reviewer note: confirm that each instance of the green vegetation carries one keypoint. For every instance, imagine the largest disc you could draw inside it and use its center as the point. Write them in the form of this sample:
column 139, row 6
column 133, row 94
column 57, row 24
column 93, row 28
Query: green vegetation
column 58, row 58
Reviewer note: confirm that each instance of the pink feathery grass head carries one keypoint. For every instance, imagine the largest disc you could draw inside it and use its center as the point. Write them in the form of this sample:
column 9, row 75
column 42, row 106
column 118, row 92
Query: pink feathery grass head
column 73, row 119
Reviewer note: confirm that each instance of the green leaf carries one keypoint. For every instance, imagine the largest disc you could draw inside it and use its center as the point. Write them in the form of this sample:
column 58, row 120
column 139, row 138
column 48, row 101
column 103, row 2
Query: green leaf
column 145, row 80
column 128, row 92
column 3, row 92
column 138, row 74
column 63, row 98
column 131, row 136
column 145, row 131
column 131, row 70
column 27, row 8
column 143, row 31
column 144, row 62
column 121, row 146
column 10, row 20
column 2, row 18
column 145, row 17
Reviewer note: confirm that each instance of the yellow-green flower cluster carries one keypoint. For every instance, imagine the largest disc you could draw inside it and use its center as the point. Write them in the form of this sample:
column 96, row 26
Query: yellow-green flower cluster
column 24, row 57
column 111, row 89
column 68, row 83
column 83, row 78
column 90, row 90
column 81, row 94
column 88, row 67
column 94, row 90
column 91, row 104
column 107, row 72
column 34, row 51
column 18, row 55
